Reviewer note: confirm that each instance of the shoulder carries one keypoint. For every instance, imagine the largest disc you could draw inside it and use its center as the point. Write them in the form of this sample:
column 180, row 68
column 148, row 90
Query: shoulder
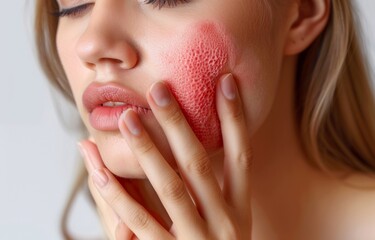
column 343, row 209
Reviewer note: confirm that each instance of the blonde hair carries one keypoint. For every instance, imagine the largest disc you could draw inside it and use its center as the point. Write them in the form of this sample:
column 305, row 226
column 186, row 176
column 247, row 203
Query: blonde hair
column 335, row 102
column 336, row 105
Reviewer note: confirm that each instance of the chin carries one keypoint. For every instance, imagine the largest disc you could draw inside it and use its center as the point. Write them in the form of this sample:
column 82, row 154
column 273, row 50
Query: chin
column 119, row 158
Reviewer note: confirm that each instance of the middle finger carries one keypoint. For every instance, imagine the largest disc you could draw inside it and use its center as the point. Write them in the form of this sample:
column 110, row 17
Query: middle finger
column 192, row 159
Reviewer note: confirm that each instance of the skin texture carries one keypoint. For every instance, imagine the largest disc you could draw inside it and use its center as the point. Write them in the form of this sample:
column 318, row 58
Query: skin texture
column 192, row 73
column 89, row 47
column 288, row 198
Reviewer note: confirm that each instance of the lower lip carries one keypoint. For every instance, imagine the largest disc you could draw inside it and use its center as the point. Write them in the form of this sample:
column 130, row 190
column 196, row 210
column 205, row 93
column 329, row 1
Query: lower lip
column 106, row 118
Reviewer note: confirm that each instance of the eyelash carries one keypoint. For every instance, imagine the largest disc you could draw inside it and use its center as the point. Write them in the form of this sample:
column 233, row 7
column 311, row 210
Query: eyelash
column 161, row 3
column 74, row 11
column 80, row 10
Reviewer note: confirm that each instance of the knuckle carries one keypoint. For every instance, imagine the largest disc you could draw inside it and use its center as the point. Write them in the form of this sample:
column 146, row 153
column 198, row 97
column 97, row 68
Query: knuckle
column 174, row 116
column 138, row 218
column 199, row 165
column 237, row 114
column 245, row 160
column 115, row 198
column 144, row 147
column 174, row 189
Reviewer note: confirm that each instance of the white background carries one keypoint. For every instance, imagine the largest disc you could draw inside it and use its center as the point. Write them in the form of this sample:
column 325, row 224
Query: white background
column 38, row 156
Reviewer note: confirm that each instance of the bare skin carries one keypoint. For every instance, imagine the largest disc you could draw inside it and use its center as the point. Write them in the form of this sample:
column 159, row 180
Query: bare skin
column 259, row 186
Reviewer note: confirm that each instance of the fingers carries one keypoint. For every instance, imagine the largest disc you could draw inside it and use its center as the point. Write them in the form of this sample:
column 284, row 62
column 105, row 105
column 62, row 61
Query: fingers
column 192, row 159
column 135, row 216
column 114, row 228
column 139, row 221
column 165, row 181
column 238, row 156
column 208, row 211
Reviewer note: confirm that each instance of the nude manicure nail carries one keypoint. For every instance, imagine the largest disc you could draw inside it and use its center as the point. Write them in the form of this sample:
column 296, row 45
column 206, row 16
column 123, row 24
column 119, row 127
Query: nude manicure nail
column 132, row 122
column 85, row 157
column 100, row 178
column 228, row 87
column 160, row 94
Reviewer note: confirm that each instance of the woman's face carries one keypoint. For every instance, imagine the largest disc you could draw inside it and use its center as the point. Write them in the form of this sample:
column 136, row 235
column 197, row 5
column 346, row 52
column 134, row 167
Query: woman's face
column 112, row 52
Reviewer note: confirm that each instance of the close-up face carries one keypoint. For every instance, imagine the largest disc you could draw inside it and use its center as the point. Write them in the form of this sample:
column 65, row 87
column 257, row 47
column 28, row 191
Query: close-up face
column 112, row 52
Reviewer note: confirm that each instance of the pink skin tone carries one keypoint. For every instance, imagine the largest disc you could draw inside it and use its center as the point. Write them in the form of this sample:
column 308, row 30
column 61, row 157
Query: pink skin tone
column 192, row 74
column 165, row 52
column 284, row 186
column 190, row 65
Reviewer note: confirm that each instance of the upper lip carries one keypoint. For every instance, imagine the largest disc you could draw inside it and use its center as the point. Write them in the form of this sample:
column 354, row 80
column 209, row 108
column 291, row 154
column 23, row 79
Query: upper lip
column 97, row 94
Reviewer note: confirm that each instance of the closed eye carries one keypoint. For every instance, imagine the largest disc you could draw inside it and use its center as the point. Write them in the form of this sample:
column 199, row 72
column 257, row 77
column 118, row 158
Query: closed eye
column 74, row 12
column 169, row 3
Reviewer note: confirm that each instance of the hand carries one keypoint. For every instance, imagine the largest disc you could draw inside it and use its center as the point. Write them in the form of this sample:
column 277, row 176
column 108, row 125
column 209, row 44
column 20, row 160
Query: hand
column 193, row 199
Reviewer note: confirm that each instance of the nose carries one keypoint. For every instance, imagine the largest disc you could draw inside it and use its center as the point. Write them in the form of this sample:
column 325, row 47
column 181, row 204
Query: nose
column 106, row 39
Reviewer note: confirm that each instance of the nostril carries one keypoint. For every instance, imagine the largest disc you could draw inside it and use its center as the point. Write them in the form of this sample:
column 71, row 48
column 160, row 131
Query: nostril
column 117, row 61
column 104, row 49
column 131, row 59
column 90, row 65
column 110, row 61
column 128, row 64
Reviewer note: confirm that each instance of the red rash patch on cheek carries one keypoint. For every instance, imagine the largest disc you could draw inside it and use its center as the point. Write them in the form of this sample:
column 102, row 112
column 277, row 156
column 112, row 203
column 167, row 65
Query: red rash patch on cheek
column 193, row 64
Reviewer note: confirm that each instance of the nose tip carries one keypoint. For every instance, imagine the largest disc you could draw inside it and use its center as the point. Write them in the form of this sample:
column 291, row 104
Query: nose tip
column 95, row 51
column 99, row 43
column 131, row 59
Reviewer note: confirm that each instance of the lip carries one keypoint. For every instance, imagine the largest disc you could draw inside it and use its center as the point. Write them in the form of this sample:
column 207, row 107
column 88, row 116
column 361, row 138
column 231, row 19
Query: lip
column 105, row 118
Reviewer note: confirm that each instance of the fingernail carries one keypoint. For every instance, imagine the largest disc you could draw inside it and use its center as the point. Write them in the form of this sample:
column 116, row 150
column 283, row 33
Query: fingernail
column 85, row 157
column 100, row 178
column 160, row 94
column 228, row 87
column 132, row 122
column 91, row 159
column 82, row 151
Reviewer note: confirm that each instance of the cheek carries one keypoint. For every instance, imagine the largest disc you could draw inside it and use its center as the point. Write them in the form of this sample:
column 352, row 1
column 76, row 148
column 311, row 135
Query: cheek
column 72, row 65
column 191, row 67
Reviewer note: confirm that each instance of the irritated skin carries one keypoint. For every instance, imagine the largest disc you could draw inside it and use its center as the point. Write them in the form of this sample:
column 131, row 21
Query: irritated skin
column 192, row 69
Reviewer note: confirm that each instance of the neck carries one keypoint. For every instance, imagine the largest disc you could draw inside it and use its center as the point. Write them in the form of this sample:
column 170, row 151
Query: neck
column 281, row 173
column 277, row 144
